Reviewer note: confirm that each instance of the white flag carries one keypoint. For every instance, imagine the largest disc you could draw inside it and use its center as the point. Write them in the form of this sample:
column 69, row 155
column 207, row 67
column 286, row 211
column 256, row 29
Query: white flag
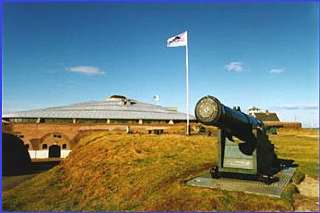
column 178, row 40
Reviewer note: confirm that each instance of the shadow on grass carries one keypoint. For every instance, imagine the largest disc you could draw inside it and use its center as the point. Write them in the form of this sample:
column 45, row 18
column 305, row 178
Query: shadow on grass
column 15, row 179
column 16, row 159
column 15, row 156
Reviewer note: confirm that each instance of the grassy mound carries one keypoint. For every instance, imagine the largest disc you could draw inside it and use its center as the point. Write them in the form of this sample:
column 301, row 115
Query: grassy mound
column 133, row 172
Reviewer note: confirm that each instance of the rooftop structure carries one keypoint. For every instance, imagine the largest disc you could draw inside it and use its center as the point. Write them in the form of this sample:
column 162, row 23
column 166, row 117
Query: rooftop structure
column 113, row 107
column 266, row 116
column 263, row 115
column 271, row 119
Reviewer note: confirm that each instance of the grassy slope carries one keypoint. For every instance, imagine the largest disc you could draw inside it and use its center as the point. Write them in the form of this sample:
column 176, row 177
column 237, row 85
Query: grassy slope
column 13, row 181
column 119, row 172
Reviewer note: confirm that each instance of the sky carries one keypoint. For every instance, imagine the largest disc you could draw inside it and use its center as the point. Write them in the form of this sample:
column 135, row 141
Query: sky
column 264, row 55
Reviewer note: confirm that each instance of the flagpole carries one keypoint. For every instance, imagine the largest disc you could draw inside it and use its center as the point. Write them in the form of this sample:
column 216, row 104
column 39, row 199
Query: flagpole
column 187, row 84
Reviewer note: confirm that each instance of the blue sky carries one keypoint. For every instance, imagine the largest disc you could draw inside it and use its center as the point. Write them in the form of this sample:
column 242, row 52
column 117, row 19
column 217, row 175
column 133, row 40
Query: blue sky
column 263, row 55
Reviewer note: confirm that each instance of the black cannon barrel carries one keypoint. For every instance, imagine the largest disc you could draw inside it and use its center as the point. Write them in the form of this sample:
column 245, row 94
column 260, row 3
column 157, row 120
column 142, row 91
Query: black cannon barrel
column 210, row 111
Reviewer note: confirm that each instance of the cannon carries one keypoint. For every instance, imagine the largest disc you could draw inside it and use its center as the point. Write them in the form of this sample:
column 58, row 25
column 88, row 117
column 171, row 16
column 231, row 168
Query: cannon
column 244, row 149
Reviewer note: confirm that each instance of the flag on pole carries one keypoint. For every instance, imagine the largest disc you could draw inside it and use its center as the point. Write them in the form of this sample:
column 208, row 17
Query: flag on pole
column 178, row 40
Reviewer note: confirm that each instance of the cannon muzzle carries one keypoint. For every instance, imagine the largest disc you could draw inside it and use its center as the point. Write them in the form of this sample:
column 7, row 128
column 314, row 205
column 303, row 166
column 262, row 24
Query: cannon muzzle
column 210, row 111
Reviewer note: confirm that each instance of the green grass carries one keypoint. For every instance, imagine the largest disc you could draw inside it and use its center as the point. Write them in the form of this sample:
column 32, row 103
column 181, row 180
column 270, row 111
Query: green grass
column 298, row 177
column 10, row 182
column 303, row 149
column 144, row 172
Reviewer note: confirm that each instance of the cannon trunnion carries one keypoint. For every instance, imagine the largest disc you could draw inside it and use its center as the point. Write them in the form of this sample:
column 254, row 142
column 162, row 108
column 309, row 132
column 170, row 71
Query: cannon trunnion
column 244, row 150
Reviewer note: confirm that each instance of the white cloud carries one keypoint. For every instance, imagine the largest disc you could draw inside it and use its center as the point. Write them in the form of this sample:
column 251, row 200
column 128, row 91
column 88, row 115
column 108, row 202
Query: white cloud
column 234, row 66
column 276, row 71
column 88, row 70
column 297, row 107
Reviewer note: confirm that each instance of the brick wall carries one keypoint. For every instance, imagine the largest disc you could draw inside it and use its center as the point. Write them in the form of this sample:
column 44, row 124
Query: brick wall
column 35, row 135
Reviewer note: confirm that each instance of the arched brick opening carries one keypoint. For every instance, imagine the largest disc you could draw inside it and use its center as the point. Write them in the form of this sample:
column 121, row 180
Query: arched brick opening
column 54, row 138
column 53, row 145
column 54, row 151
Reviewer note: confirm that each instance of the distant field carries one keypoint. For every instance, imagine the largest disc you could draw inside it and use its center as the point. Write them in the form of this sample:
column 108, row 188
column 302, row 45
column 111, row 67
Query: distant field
column 145, row 172
column 301, row 146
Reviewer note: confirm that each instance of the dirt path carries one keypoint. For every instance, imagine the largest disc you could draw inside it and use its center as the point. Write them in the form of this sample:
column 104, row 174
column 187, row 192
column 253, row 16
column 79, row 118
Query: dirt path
column 309, row 187
column 308, row 197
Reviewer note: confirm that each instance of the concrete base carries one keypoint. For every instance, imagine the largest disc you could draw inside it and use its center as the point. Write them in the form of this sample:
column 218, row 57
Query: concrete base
column 247, row 186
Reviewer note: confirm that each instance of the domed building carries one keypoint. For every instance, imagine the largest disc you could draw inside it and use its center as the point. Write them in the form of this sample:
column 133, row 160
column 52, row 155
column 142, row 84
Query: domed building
column 51, row 132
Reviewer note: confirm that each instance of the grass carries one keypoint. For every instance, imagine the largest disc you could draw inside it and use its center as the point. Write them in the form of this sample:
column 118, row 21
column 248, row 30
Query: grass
column 9, row 182
column 301, row 146
column 298, row 177
column 145, row 172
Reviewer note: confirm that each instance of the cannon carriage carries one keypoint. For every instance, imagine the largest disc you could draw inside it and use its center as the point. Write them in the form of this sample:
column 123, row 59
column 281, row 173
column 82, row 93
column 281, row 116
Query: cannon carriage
column 244, row 149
